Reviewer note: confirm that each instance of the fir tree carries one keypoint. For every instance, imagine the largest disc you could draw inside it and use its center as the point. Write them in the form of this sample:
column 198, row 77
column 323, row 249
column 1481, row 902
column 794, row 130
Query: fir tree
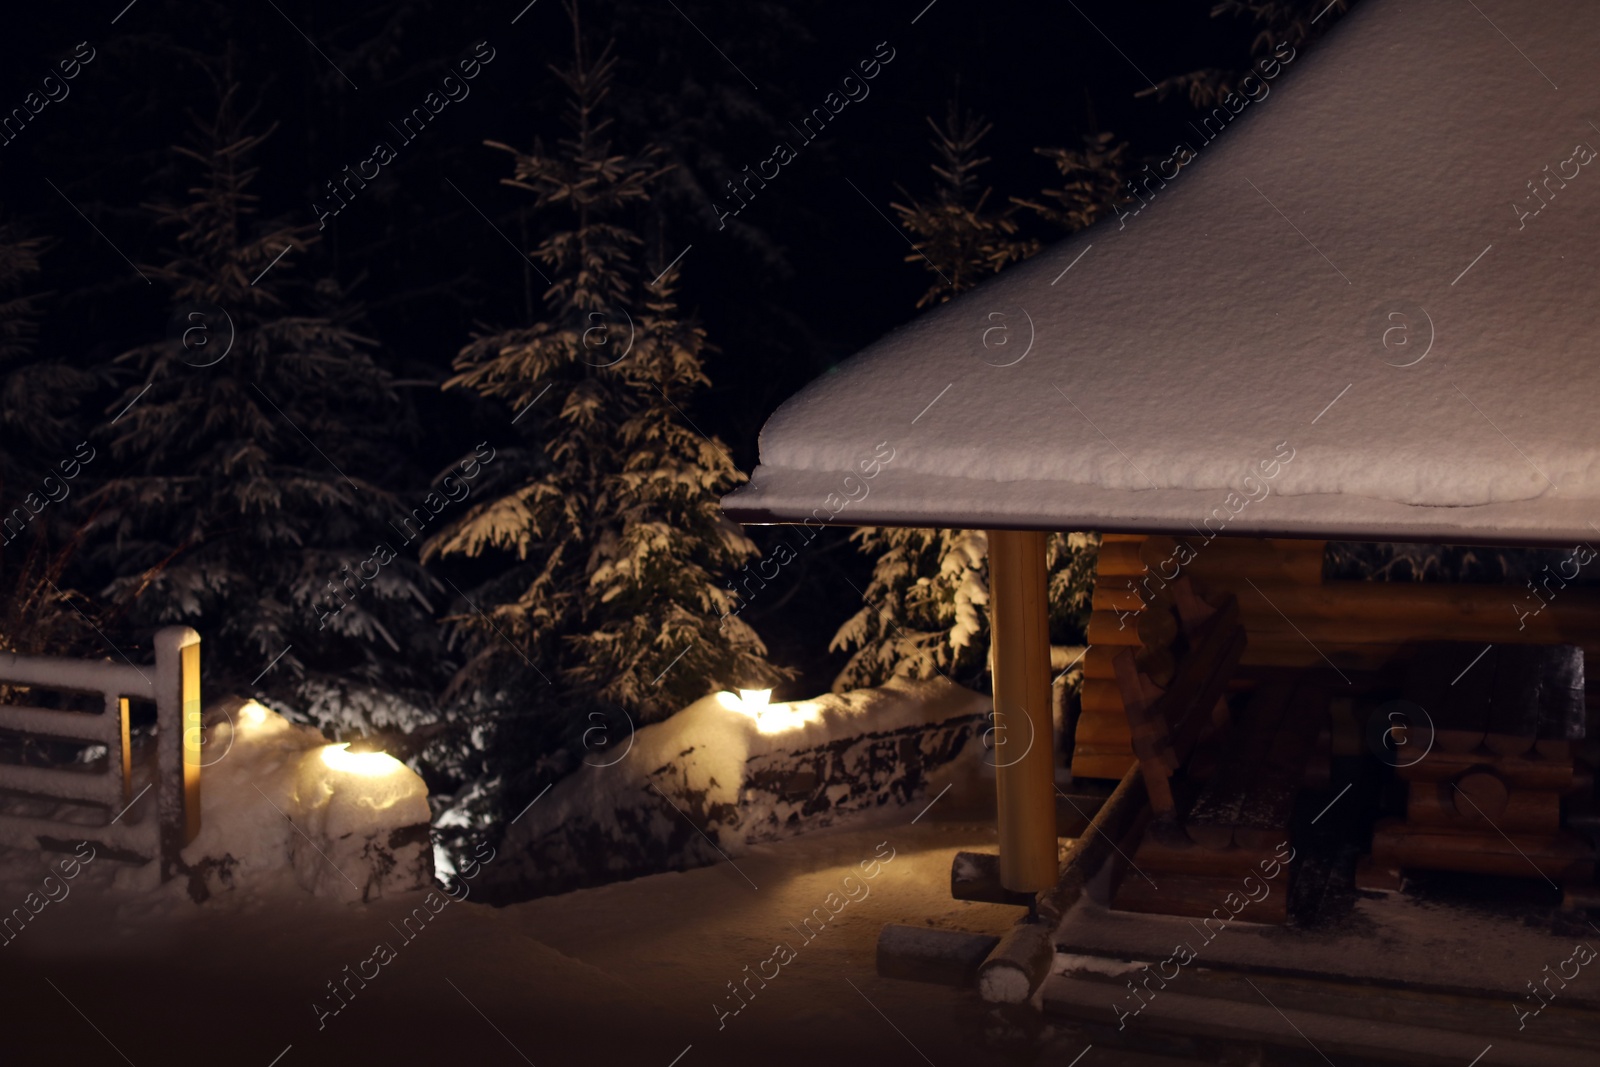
column 612, row 534
column 1278, row 22
column 248, row 502
column 952, row 234
column 924, row 610
column 40, row 469
column 1093, row 178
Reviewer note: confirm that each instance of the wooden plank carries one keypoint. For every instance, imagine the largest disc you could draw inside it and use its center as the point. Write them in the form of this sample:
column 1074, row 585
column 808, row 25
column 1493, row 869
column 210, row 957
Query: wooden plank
column 1553, row 856
column 1217, row 811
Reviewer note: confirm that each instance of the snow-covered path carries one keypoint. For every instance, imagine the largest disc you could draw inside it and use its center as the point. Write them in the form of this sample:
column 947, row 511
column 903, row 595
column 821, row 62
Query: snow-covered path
column 626, row 973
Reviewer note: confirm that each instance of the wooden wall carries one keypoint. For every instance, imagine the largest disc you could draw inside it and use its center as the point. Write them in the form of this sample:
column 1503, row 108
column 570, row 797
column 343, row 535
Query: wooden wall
column 1293, row 618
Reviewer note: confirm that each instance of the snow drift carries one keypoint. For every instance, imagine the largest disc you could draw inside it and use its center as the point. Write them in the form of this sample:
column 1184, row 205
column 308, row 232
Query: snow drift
column 723, row 774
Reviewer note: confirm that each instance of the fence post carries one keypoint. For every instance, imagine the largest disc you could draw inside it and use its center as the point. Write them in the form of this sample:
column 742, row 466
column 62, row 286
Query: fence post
column 178, row 729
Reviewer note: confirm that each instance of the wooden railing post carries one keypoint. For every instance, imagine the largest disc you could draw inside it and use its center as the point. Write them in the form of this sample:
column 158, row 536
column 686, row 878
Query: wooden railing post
column 177, row 688
column 1024, row 752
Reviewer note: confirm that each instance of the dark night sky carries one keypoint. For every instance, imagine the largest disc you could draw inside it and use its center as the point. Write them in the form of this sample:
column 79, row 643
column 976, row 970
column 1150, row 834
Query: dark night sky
column 809, row 274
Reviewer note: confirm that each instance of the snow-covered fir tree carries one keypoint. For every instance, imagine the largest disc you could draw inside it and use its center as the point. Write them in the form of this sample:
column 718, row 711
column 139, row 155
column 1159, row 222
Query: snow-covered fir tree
column 1280, row 23
column 1094, row 177
column 924, row 611
column 251, row 450
column 42, row 466
column 609, row 593
column 953, row 234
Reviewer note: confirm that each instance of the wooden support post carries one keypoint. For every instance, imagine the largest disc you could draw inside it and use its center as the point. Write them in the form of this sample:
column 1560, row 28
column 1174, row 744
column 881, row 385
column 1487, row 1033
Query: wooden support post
column 177, row 692
column 1024, row 751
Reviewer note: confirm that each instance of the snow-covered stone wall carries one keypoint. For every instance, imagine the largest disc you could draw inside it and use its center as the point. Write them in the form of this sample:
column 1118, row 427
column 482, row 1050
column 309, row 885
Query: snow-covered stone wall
column 723, row 774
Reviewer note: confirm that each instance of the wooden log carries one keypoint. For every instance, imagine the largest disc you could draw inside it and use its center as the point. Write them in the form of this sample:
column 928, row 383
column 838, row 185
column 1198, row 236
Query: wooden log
column 1269, row 804
column 1102, row 761
column 1158, row 664
column 927, row 954
column 976, row 876
column 1400, row 612
column 1217, row 811
column 1148, row 732
column 1020, row 637
column 1100, row 696
column 1518, row 772
column 1154, row 628
column 1480, row 796
column 1119, row 559
column 1553, row 856
column 1017, row 965
column 1531, row 811
column 1104, row 729
column 1278, row 560
column 1021, row 961
column 1292, row 650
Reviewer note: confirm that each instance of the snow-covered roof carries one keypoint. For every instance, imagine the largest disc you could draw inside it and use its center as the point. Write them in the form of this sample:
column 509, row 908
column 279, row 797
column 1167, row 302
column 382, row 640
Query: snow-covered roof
column 1365, row 310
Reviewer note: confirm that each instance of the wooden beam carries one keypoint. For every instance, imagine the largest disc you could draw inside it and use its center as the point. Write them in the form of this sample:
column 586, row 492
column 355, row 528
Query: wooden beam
column 1024, row 754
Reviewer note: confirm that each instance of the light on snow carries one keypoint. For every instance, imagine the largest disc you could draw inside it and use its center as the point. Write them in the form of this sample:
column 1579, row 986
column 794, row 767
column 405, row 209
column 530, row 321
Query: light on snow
column 364, row 764
column 770, row 718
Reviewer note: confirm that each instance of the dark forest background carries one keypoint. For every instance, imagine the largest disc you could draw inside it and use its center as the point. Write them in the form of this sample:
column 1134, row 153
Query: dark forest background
column 187, row 108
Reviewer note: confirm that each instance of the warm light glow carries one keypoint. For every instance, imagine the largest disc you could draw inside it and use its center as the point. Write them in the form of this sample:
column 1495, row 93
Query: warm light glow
column 253, row 713
column 770, row 718
column 365, row 764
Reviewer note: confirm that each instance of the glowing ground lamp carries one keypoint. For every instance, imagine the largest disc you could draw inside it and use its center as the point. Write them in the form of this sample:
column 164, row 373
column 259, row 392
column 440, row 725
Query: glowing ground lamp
column 361, row 764
column 770, row 718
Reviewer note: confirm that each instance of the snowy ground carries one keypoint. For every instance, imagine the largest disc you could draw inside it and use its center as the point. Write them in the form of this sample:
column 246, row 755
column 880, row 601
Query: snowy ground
column 626, row 973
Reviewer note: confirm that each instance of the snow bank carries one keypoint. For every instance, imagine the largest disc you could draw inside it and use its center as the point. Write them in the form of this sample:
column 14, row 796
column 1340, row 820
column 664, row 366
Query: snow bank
column 1385, row 269
column 723, row 774
column 282, row 811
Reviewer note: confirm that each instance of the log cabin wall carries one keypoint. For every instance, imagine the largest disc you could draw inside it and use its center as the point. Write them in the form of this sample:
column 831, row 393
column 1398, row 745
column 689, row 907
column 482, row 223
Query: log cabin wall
column 1287, row 608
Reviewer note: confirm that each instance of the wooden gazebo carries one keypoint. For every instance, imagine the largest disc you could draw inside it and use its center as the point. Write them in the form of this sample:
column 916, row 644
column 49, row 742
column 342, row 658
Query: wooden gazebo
column 1363, row 313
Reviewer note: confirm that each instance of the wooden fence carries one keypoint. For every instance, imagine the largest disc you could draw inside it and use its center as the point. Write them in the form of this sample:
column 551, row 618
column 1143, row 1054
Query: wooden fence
column 131, row 831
